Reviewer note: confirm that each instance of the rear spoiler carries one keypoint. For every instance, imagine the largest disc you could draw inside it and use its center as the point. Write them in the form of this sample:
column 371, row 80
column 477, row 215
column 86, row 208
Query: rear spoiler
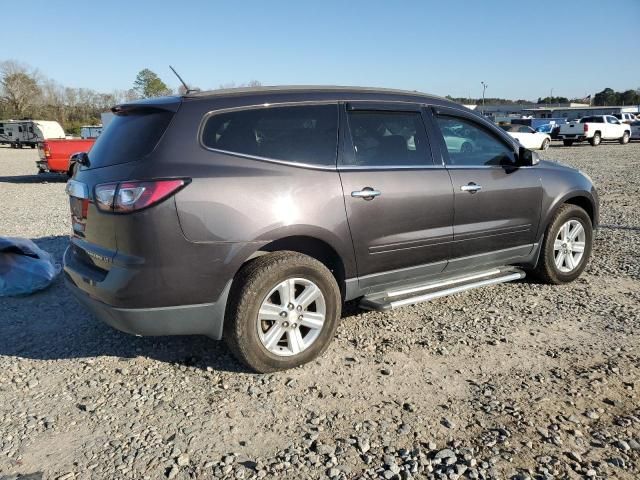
column 148, row 105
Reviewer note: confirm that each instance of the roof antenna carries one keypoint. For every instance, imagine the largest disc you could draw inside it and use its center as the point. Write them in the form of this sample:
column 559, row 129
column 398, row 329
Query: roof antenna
column 186, row 88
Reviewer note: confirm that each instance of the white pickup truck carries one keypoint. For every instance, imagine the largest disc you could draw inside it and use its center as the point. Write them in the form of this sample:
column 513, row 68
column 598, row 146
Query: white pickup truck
column 594, row 129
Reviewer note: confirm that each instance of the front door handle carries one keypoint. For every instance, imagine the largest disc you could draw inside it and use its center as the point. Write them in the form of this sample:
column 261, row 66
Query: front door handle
column 471, row 188
column 366, row 193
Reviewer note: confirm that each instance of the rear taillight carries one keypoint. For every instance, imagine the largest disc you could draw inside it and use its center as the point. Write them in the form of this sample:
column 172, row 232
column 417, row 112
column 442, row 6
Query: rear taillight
column 47, row 152
column 586, row 127
column 126, row 197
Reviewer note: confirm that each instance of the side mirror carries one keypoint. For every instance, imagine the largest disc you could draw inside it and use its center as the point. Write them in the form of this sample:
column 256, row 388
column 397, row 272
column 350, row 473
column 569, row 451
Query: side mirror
column 527, row 158
column 80, row 158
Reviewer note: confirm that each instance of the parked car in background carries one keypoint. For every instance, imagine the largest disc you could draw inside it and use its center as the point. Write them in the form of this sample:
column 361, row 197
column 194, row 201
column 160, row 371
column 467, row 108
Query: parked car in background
column 253, row 214
column 625, row 117
column 20, row 133
column 635, row 130
column 595, row 129
column 528, row 137
column 55, row 154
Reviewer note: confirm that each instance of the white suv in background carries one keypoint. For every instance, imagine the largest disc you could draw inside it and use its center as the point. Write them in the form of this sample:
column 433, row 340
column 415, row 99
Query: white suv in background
column 625, row 117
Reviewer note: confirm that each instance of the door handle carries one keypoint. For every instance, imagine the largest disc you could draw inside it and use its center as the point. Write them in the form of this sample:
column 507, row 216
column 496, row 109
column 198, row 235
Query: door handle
column 366, row 193
column 471, row 188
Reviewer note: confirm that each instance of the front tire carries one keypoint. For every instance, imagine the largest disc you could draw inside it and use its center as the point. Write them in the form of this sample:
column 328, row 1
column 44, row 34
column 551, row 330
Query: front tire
column 566, row 246
column 283, row 311
column 595, row 140
column 625, row 138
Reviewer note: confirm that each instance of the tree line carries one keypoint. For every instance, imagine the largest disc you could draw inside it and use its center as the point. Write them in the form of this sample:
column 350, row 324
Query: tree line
column 27, row 93
column 607, row 97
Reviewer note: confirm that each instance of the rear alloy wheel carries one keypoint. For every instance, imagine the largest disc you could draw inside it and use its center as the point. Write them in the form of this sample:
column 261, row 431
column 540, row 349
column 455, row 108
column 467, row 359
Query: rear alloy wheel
column 283, row 311
column 625, row 138
column 566, row 246
column 595, row 140
column 545, row 144
column 291, row 317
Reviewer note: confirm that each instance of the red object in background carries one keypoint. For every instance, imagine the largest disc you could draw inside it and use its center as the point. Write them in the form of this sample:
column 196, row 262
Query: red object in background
column 54, row 154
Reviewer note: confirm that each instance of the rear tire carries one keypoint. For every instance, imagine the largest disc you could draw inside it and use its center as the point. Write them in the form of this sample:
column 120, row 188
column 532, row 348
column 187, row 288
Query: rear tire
column 567, row 143
column 624, row 139
column 257, row 307
column 595, row 140
column 545, row 144
column 553, row 267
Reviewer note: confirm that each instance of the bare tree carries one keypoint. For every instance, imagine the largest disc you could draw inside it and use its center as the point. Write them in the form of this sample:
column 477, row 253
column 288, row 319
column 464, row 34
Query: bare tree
column 19, row 87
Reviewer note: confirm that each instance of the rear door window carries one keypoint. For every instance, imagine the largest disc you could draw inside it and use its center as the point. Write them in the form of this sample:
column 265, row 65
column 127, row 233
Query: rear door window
column 129, row 136
column 389, row 139
column 301, row 134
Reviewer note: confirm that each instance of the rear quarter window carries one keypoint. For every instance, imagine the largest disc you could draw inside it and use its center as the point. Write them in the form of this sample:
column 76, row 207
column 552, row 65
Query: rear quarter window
column 301, row 134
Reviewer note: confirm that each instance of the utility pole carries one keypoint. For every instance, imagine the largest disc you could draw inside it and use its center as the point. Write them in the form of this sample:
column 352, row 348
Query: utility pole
column 484, row 87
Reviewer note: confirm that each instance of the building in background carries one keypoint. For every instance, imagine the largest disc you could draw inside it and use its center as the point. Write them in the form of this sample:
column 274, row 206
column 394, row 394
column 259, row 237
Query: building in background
column 573, row 111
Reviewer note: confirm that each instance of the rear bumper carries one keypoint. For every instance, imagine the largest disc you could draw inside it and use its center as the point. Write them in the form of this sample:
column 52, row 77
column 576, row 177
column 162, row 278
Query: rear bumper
column 203, row 319
column 577, row 138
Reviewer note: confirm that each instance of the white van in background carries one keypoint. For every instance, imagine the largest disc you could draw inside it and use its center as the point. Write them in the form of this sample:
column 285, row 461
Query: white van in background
column 19, row 133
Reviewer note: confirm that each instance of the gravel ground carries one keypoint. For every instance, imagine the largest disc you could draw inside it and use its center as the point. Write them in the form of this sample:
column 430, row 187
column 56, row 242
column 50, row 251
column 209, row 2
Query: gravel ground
column 518, row 380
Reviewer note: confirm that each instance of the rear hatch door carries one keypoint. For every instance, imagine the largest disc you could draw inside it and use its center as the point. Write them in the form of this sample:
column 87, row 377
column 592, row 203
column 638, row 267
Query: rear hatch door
column 128, row 140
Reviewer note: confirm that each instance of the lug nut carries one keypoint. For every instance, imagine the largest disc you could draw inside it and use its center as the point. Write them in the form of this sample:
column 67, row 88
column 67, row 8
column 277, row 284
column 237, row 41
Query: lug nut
column 299, row 308
column 300, row 317
column 285, row 324
column 294, row 325
column 283, row 314
column 290, row 306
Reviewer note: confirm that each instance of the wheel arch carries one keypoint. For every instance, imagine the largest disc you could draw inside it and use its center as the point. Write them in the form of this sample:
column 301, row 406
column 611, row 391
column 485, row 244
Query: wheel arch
column 581, row 199
column 585, row 203
column 312, row 246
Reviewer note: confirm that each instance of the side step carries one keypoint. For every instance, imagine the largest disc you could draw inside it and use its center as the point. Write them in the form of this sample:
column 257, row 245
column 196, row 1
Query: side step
column 384, row 301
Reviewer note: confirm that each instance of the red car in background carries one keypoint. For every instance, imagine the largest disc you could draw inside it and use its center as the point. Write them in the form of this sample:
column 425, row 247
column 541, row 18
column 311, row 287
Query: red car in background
column 54, row 154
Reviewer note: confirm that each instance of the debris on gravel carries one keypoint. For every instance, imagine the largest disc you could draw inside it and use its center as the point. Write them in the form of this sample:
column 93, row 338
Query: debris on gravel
column 517, row 381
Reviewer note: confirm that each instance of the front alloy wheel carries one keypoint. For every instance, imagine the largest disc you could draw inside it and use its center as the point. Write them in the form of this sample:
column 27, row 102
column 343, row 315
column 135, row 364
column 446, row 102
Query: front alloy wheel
column 569, row 245
column 566, row 246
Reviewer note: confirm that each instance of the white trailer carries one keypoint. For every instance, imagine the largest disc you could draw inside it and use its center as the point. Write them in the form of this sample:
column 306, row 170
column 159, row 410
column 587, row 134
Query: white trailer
column 90, row 131
column 19, row 133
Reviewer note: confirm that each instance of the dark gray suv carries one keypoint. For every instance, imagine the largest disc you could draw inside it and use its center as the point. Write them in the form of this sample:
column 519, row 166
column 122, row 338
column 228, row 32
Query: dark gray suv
column 253, row 214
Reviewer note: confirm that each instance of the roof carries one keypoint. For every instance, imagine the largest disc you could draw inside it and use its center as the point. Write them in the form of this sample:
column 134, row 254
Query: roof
column 285, row 89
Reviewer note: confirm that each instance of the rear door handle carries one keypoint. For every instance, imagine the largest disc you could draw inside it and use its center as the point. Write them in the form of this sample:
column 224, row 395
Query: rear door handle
column 366, row 193
column 471, row 188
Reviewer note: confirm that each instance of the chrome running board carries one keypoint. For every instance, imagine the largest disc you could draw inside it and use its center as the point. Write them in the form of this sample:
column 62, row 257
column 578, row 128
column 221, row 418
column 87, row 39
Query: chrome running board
column 428, row 291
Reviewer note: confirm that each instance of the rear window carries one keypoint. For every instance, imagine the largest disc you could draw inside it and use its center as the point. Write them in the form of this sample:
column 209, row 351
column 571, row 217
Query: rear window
column 302, row 134
column 129, row 136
